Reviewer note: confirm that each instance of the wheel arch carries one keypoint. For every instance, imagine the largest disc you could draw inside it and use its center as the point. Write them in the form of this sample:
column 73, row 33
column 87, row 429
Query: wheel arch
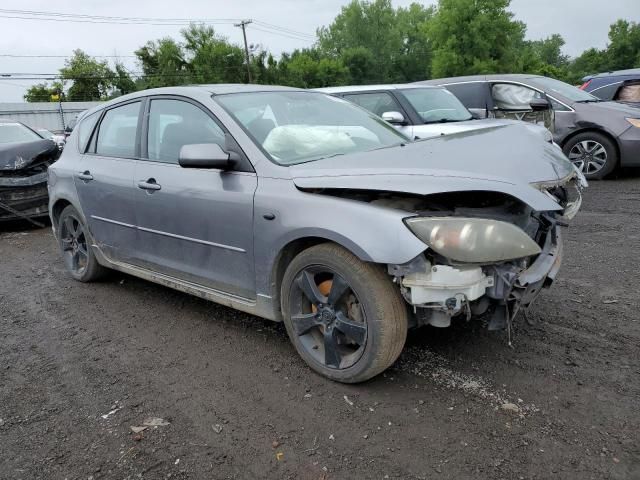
column 294, row 247
column 601, row 131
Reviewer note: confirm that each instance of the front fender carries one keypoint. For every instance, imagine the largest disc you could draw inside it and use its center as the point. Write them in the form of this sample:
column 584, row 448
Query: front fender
column 372, row 233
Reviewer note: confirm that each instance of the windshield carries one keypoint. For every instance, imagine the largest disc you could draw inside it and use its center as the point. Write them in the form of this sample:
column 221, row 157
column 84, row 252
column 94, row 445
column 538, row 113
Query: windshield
column 45, row 133
column 436, row 105
column 551, row 86
column 295, row 127
column 16, row 133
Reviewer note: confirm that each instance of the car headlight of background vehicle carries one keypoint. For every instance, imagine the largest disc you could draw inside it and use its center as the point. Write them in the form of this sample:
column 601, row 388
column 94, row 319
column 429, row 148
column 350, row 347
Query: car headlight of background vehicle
column 634, row 121
column 473, row 240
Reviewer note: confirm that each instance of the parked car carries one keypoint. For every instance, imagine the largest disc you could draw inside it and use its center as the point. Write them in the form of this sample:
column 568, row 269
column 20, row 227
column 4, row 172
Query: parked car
column 301, row 207
column 420, row 111
column 596, row 136
column 619, row 86
column 58, row 139
column 24, row 159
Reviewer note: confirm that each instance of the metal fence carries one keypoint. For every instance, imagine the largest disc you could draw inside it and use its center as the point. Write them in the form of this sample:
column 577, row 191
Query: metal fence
column 50, row 115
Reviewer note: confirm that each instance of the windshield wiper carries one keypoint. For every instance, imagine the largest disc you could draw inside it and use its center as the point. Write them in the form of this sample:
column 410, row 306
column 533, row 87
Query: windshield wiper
column 443, row 120
column 593, row 100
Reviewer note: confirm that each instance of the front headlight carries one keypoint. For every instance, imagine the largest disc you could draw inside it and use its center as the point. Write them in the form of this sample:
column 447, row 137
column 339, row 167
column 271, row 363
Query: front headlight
column 473, row 240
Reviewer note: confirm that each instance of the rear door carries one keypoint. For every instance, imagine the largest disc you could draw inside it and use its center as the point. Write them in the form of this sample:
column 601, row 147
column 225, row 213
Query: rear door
column 104, row 180
column 193, row 224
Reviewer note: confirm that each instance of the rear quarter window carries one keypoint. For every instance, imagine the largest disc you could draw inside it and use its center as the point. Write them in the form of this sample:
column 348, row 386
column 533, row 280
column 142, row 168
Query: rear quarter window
column 85, row 128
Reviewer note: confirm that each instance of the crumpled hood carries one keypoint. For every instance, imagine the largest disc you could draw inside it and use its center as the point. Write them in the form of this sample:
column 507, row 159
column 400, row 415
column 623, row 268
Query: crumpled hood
column 16, row 156
column 505, row 159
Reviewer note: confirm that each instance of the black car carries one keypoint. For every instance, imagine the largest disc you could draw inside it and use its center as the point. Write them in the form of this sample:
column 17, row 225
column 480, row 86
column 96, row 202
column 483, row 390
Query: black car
column 620, row 86
column 597, row 136
column 24, row 159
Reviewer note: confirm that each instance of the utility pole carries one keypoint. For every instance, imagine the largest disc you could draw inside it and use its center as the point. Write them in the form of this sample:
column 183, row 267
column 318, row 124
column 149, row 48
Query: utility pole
column 242, row 25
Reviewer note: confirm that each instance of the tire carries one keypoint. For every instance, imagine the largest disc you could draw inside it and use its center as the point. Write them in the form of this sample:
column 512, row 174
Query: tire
column 75, row 245
column 370, row 301
column 593, row 153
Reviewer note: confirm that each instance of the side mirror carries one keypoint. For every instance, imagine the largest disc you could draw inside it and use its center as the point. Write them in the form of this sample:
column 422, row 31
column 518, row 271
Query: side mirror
column 394, row 118
column 204, row 155
column 540, row 105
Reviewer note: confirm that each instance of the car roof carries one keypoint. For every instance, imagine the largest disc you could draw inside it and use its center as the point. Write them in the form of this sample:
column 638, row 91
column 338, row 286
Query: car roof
column 368, row 88
column 213, row 89
column 632, row 72
column 479, row 78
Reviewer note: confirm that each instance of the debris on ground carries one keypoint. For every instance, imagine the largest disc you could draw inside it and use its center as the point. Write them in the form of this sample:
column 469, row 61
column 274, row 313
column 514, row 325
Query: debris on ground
column 349, row 402
column 111, row 412
column 510, row 407
column 138, row 429
column 217, row 428
column 155, row 422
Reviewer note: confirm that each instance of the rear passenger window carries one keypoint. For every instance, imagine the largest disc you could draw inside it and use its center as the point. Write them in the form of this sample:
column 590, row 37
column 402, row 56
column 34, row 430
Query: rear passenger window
column 117, row 131
column 472, row 95
column 173, row 124
column 377, row 103
column 85, row 128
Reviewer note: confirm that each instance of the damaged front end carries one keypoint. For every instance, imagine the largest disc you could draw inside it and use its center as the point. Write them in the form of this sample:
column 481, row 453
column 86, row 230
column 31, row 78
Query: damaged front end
column 489, row 254
column 23, row 178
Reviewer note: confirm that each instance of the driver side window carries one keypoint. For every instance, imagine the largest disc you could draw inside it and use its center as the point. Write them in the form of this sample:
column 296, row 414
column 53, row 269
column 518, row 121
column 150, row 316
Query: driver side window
column 174, row 123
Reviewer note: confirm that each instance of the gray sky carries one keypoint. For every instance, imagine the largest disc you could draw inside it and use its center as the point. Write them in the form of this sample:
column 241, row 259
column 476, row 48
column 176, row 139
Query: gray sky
column 583, row 24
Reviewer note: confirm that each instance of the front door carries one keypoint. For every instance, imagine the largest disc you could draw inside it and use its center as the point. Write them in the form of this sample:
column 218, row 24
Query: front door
column 512, row 101
column 104, row 181
column 193, row 224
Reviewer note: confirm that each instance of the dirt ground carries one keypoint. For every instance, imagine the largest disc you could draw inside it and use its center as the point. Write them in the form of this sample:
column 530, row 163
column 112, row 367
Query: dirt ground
column 80, row 364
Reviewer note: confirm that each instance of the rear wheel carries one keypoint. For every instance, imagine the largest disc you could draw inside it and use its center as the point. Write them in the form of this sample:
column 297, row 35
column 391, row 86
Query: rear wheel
column 593, row 153
column 345, row 317
column 73, row 238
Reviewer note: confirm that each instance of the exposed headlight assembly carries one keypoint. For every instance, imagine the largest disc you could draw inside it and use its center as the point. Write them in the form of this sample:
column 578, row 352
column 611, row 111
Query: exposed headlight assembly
column 473, row 240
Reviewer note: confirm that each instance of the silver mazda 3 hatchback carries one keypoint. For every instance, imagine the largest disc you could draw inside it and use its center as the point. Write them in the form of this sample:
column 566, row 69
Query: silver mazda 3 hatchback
column 301, row 207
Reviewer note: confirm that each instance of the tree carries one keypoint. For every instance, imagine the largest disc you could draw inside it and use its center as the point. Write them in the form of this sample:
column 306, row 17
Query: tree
column 43, row 92
column 162, row 63
column 623, row 50
column 473, row 37
column 211, row 58
column 91, row 79
column 308, row 68
column 414, row 62
column 370, row 25
column 122, row 83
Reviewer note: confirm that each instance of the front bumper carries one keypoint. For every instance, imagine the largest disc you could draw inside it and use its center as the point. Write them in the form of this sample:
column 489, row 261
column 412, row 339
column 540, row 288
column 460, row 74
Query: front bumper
column 23, row 197
column 629, row 142
column 440, row 292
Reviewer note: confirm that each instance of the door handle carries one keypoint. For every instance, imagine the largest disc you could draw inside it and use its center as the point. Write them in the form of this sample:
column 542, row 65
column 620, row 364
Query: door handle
column 85, row 176
column 149, row 185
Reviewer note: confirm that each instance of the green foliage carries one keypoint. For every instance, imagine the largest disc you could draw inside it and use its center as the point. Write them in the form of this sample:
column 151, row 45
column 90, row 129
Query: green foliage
column 43, row 92
column 91, row 79
column 368, row 42
column 474, row 36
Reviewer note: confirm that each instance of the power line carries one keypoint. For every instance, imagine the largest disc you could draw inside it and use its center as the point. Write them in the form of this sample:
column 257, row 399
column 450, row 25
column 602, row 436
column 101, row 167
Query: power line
column 14, row 55
column 243, row 24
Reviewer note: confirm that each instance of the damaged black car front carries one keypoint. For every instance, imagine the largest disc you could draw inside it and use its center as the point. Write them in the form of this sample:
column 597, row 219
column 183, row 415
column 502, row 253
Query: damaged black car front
column 24, row 159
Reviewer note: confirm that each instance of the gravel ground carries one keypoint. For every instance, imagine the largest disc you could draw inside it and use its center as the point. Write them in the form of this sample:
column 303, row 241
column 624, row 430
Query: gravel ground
column 80, row 364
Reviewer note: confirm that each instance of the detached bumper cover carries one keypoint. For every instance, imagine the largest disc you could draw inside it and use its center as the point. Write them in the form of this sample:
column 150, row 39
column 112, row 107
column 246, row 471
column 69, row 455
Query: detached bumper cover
column 523, row 287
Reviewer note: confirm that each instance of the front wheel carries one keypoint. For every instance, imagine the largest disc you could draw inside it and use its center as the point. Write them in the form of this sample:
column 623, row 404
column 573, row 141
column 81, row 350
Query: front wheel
column 593, row 153
column 345, row 317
